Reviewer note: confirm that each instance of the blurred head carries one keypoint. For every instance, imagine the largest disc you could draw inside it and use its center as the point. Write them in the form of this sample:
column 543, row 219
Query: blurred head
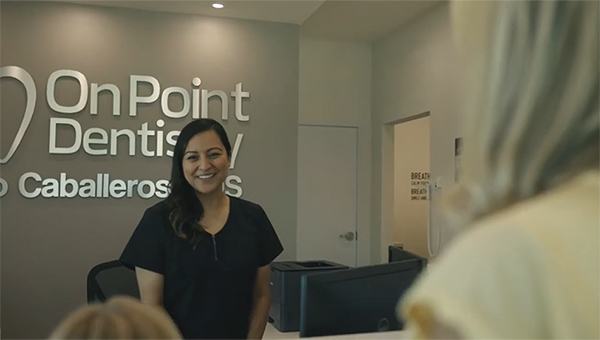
column 533, row 115
column 118, row 318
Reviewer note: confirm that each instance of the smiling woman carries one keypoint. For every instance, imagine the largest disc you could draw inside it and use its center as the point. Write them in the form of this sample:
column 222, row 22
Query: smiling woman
column 206, row 161
column 204, row 255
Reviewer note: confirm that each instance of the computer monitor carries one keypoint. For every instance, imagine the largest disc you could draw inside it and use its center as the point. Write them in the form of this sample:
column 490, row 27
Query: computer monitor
column 396, row 253
column 355, row 300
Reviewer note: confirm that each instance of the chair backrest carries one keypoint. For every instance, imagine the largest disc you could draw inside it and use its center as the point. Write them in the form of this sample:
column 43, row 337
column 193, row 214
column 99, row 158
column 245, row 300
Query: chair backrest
column 111, row 278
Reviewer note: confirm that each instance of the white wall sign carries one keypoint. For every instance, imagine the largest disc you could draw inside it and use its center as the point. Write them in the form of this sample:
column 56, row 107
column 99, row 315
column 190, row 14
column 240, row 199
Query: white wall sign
column 150, row 140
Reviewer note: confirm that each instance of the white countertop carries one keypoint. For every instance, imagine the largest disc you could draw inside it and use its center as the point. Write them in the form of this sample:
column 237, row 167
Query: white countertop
column 272, row 333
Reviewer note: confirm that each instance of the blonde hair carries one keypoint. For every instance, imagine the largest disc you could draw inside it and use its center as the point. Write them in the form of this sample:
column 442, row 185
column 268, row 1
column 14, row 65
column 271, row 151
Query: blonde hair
column 118, row 318
column 533, row 118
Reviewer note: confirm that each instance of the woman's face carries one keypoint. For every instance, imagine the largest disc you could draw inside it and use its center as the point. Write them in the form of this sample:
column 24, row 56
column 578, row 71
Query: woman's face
column 205, row 162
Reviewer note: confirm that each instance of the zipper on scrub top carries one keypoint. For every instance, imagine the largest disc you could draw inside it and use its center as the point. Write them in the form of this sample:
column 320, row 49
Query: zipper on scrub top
column 214, row 242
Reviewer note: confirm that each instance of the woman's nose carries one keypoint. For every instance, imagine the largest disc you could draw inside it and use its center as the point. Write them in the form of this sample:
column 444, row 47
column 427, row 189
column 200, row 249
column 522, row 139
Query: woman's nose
column 204, row 163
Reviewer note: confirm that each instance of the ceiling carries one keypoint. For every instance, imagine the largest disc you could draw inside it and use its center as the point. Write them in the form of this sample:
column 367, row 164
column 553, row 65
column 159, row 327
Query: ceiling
column 286, row 11
column 365, row 20
column 362, row 20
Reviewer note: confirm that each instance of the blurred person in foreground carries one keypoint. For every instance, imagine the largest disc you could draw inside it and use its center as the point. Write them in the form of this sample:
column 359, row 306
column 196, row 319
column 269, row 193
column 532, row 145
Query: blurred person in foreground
column 527, row 262
column 119, row 318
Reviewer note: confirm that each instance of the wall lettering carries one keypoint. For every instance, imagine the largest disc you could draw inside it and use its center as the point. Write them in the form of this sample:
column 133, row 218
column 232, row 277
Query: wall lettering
column 151, row 139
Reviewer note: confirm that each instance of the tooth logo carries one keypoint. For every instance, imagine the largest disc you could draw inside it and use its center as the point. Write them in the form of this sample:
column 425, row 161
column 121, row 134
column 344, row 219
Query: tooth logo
column 25, row 79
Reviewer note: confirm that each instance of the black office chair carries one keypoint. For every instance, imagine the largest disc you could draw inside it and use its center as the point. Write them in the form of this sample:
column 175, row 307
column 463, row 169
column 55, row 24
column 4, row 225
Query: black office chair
column 111, row 278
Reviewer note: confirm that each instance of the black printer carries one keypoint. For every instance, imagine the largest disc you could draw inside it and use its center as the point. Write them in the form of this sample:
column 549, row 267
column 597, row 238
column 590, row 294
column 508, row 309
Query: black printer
column 285, row 290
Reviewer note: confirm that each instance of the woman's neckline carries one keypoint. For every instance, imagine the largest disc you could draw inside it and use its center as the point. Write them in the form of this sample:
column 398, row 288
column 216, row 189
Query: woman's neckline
column 220, row 230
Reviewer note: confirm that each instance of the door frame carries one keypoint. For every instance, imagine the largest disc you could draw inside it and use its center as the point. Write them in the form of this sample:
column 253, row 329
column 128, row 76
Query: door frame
column 387, row 182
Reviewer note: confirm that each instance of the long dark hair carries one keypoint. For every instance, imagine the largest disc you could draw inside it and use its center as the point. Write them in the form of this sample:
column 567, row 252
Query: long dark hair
column 185, row 209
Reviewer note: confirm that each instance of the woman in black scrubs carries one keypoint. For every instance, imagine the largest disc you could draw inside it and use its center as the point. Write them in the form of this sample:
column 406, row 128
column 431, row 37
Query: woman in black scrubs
column 200, row 253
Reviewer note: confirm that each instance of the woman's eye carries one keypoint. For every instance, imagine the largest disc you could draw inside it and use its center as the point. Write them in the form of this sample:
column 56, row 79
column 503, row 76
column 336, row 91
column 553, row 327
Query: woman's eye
column 214, row 155
column 192, row 158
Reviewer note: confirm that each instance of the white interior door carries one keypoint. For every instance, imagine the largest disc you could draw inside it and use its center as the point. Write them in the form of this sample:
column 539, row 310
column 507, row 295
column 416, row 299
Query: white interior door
column 327, row 194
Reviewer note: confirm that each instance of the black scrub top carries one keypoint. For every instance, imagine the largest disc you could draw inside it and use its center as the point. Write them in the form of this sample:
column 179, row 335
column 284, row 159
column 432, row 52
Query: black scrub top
column 208, row 288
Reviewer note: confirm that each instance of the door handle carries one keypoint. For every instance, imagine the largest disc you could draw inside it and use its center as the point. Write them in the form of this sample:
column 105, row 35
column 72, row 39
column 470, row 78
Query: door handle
column 349, row 236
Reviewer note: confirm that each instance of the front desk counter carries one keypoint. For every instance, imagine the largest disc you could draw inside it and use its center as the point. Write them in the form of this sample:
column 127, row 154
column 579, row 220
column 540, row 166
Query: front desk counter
column 272, row 333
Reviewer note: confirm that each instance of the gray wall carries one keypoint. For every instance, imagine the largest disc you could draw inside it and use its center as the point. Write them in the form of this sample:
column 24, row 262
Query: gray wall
column 415, row 70
column 48, row 245
column 335, row 89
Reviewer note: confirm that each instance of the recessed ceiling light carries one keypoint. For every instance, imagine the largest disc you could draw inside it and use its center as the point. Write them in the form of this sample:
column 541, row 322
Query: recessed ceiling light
column 217, row 5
